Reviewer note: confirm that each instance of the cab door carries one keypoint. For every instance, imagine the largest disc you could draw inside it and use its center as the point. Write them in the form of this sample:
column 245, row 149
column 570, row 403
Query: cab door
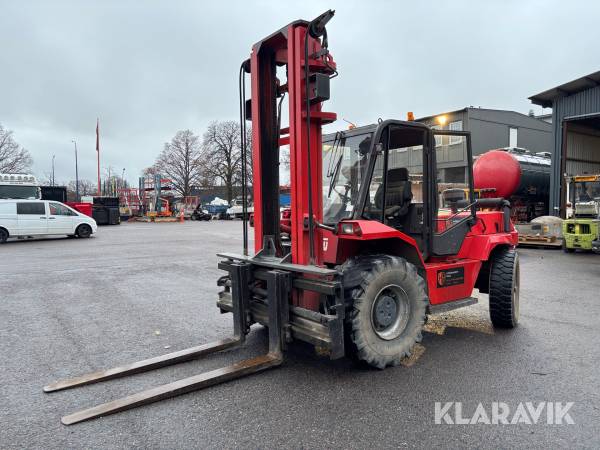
column 60, row 219
column 32, row 218
column 452, row 197
column 398, row 190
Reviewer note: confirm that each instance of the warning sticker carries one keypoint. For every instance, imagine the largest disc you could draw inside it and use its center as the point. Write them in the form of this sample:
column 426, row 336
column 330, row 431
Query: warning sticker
column 450, row 277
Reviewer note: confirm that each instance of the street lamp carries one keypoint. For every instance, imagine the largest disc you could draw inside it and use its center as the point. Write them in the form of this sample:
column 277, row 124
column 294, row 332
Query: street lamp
column 53, row 156
column 76, row 172
column 123, row 179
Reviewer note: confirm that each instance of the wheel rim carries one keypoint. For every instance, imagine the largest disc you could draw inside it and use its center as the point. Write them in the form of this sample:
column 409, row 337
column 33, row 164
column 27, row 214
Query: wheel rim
column 3, row 235
column 84, row 232
column 390, row 312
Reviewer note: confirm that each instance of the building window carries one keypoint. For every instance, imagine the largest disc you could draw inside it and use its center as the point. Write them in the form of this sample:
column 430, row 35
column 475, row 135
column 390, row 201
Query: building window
column 438, row 138
column 455, row 126
column 512, row 137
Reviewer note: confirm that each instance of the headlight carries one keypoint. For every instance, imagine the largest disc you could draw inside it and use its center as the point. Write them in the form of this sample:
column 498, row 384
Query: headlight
column 350, row 228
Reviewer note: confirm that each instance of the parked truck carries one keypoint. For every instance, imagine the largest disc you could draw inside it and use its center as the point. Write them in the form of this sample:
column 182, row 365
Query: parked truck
column 236, row 211
column 19, row 186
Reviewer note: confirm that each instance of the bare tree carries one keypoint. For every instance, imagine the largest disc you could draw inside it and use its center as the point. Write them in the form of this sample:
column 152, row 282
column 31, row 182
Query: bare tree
column 284, row 157
column 180, row 161
column 222, row 155
column 13, row 157
column 149, row 172
column 86, row 187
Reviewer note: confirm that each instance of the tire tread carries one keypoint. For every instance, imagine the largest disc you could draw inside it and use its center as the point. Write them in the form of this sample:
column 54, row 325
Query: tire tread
column 359, row 273
column 501, row 289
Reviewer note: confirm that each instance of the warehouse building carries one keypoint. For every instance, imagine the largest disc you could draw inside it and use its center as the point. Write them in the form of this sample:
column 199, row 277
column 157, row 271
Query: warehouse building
column 575, row 133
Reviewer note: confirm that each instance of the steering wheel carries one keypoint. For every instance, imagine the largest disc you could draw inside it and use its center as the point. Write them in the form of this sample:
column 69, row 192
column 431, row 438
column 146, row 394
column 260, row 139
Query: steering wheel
column 341, row 211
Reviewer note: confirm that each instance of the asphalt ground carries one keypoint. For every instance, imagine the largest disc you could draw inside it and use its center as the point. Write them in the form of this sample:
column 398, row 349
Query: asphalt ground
column 72, row 306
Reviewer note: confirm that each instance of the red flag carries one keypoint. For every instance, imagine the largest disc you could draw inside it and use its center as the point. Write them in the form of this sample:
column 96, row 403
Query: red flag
column 97, row 135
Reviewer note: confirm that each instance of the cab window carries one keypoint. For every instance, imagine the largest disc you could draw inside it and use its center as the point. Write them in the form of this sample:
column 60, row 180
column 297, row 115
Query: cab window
column 56, row 209
column 396, row 191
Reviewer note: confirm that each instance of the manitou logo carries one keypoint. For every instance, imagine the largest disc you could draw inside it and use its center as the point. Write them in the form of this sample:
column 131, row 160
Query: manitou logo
column 529, row 413
column 325, row 244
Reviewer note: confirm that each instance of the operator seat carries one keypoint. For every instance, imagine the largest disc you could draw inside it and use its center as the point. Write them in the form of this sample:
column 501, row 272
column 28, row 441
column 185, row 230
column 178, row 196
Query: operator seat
column 398, row 195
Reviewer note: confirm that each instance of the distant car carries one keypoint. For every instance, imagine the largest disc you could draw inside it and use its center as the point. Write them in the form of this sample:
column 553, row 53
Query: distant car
column 24, row 218
column 200, row 214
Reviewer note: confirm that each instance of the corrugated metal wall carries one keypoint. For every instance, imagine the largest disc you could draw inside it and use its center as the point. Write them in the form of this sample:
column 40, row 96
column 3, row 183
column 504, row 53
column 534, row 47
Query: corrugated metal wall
column 583, row 154
column 585, row 102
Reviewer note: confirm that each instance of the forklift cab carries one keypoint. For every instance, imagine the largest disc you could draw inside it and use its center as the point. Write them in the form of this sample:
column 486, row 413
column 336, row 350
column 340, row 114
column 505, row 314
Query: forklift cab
column 399, row 181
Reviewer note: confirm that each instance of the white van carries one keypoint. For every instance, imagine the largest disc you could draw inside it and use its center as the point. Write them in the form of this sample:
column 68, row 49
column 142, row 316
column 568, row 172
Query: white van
column 42, row 218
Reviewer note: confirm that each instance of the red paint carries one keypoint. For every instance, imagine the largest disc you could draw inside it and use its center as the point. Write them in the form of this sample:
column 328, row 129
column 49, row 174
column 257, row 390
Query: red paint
column 497, row 169
column 438, row 294
column 486, row 234
column 83, row 208
column 448, row 278
column 287, row 46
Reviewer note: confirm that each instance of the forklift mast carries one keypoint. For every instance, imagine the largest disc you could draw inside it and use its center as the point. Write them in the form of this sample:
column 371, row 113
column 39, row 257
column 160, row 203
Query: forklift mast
column 287, row 48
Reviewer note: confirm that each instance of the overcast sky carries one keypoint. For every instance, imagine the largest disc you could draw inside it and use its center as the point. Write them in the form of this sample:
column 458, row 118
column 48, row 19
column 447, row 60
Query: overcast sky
column 148, row 69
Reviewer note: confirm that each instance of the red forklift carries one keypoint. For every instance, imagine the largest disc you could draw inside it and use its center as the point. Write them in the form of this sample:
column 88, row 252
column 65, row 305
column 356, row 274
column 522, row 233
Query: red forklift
column 371, row 250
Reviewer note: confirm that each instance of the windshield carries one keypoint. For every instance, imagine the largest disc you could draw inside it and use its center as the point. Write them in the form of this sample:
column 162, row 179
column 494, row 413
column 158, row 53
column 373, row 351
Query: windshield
column 344, row 162
column 19, row 192
column 587, row 191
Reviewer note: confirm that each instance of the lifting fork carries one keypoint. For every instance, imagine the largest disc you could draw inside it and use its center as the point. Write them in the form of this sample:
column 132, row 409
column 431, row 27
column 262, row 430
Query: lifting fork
column 278, row 292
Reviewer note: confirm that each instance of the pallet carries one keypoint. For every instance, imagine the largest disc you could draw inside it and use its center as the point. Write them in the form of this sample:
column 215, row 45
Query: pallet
column 528, row 240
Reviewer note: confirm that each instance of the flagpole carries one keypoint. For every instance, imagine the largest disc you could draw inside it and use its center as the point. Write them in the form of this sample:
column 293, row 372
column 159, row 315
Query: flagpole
column 98, row 172
column 98, row 150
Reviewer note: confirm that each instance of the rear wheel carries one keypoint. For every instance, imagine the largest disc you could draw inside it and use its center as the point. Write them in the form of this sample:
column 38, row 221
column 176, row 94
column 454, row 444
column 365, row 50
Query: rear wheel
column 3, row 235
column 504, row 289
column 84, row 231
column 388, row 310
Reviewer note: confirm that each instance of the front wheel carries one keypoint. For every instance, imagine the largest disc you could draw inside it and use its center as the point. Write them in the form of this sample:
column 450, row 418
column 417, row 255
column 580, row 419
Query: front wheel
column 84, row 231
column 388, row 311
column 505, row 283
column 567, row 249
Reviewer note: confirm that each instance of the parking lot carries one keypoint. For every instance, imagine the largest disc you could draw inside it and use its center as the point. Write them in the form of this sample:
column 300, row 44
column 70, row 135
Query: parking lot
column 71, row 306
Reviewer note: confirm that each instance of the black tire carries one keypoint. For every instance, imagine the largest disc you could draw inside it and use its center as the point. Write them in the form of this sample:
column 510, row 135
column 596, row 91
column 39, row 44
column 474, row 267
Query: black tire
column 193, row 217
column 83, row 231
column 504, row 289
column 3, row 235
column 387, row 311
